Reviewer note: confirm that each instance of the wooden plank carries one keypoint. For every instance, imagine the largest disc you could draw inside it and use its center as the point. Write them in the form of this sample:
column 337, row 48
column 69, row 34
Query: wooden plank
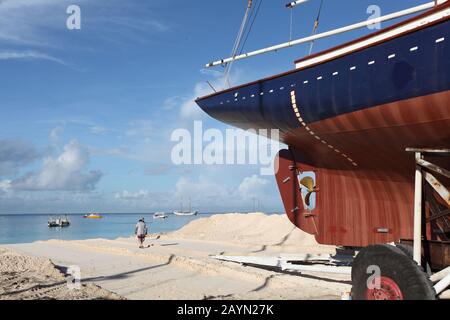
column 428, row 150
column 433, row 168
column 438, row 187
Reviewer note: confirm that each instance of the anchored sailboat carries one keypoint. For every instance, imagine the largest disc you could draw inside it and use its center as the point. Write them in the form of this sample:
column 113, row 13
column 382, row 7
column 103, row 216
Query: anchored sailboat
column 181, row 212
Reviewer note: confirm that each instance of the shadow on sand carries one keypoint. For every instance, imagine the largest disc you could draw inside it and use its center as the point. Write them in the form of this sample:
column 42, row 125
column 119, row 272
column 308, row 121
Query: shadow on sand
column 91, row 279
column 283, row 241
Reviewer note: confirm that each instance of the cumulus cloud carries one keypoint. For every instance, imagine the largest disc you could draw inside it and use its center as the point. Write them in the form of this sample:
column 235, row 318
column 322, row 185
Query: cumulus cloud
column 15, row 154
column 211, row 192
column 64, row 173
column 204, row 188
column 253, row 187
column 189, row 109
column 55, row 135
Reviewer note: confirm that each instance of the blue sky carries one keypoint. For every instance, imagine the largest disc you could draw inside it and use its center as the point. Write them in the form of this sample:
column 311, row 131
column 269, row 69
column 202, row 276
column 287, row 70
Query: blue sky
column 87, row 114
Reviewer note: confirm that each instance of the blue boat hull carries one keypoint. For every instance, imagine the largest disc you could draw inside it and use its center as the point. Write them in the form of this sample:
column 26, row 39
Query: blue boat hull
column 349, row 121
column 357, row 86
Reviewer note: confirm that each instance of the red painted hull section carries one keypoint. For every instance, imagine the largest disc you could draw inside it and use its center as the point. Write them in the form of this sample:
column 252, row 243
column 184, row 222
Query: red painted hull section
column 369, row 199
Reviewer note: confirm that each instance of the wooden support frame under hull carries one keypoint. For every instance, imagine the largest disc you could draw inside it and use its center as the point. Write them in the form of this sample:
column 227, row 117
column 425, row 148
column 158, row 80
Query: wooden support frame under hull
column 288, row 183
column 423, row 177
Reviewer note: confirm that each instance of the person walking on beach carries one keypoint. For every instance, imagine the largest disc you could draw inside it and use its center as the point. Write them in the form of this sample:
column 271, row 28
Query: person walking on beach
column 141, row 232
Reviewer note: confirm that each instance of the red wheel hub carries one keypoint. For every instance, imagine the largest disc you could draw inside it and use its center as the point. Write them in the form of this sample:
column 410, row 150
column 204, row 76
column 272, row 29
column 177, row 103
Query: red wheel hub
column 388, row 290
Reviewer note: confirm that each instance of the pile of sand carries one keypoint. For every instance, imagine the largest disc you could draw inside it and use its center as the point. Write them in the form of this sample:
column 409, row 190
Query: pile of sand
column 31, row 278
column 253, row 228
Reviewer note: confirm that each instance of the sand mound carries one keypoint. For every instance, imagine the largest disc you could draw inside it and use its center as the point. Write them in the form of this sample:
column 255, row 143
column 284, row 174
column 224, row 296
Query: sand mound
column 253, row 228
column 31, row 278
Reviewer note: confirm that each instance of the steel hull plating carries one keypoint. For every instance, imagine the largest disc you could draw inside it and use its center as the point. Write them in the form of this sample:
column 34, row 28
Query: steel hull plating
column 349, row 120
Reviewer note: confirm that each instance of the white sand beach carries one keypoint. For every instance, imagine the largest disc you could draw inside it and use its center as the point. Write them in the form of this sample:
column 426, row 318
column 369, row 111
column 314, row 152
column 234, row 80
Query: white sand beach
column 25, row 277
column 178, row 264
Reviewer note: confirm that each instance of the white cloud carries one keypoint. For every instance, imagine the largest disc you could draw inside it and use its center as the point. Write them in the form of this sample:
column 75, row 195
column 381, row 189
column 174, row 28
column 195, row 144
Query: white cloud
column 55, row 135
column 21, row 4
column 172, row 102
column 127, row 195
column 189, row 109
column 138, row 25
column 15, row 155
column 98, row 130
column 141, row 128
column 212, row 191
column 253, row 187
column 5, row 186
column 28, row 55
column 23, row 21
column 204, row 188
column 63, row 173
column 40, row 23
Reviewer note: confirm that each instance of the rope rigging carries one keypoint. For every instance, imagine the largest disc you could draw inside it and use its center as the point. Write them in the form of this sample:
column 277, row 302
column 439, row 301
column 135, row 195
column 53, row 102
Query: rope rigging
column 291, row 23
column 250, row 15
column 311, row 39
column 315, row 27
column 251, row 24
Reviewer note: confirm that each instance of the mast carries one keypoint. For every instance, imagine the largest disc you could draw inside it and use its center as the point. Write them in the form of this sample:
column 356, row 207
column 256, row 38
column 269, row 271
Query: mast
column 355, row 26
column 237, row 43
column 295, row 3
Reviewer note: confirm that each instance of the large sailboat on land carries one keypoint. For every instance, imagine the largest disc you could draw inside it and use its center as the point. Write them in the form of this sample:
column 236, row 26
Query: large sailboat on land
column 348, row 115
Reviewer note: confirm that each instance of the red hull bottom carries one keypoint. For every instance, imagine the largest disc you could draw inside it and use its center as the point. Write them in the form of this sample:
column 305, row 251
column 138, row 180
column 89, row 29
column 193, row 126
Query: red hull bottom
column 363, row 174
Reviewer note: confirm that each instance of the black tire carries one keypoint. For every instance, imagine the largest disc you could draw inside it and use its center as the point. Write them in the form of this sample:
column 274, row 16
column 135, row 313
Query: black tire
column 394, row 265
column 409, row 251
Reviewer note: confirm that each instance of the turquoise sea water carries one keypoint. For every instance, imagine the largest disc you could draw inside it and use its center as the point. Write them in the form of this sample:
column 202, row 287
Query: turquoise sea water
column 33, row 227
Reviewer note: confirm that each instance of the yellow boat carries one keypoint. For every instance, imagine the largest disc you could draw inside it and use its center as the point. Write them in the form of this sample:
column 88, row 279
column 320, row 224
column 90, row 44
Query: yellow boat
column 93, row 216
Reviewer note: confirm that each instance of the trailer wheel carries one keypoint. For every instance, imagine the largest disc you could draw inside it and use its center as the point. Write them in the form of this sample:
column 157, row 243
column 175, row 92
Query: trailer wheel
column 400, row 277
column 408, row 250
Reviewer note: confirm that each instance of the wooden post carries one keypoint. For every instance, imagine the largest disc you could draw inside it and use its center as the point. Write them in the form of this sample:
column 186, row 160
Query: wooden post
column 417, row 248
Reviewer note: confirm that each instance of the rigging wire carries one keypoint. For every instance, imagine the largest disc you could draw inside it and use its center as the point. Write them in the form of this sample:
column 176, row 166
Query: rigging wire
column 291, row 23
column 251, row 25
column 251, row 17
column 316, row 26
column 237, row 42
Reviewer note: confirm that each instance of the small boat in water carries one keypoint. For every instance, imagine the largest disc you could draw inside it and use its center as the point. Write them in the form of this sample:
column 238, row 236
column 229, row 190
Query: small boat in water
column 159, row 215
column 93, row 216
column 58, row 223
